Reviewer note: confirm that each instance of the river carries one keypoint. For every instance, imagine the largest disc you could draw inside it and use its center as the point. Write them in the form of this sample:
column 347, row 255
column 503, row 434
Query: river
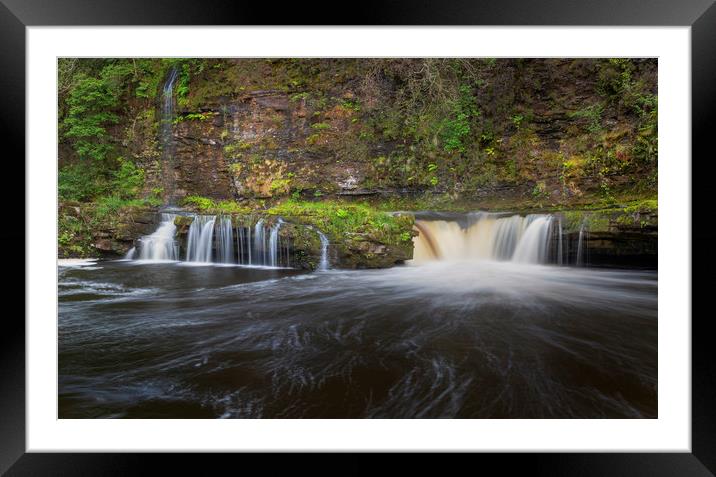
column 441, row 339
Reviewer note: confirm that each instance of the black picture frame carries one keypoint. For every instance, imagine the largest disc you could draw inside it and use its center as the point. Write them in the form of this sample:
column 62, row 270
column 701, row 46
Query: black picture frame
column 700, row 15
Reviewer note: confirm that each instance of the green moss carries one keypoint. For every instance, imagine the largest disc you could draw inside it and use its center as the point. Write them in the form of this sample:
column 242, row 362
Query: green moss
column 338, row 219
column 193, row 117
column 209, row 206
column 234, row 150
column 280, row 186
column 113, row 205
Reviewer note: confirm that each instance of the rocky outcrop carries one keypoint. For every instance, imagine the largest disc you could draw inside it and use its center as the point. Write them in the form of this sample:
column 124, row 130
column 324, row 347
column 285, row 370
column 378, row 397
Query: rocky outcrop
column 619, row 237
column 552, row 130
column 84, row 232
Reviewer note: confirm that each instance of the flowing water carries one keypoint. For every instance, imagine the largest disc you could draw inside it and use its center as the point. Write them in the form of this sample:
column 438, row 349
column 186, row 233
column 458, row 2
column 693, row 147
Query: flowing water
column 200, row 242
column 324, row 264
column 225, row 243
column 166, row 135
column 160, row 245
column 484, row 323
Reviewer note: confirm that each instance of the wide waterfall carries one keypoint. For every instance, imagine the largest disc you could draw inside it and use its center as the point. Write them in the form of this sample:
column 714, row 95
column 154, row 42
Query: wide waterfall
column 211, row 240
column 166, row 130
column 161, row 244
column 535, row 238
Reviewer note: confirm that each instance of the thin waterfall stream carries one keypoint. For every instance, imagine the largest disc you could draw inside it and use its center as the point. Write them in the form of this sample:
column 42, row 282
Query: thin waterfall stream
column 166, row 135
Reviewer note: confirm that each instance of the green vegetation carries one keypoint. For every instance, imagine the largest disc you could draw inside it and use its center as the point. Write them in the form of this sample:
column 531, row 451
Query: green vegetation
column 210, row 206
column 592, row 115
column 340, row 220
column 638, row 214
column 456, row 128
column 74, row 237
column 91, row 105
column 193, row 117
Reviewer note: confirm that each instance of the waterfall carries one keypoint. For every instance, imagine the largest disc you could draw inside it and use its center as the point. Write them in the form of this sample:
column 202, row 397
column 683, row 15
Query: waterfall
column 166, row 130
column 489, row 237
column 323, row 265
column 559, row 244
column 259, row 242
column 160, row 245
column 244, row 245
column 580, row 246
column 263, row 247
column 240, row 244
column 274, row 246
column 200, row 242
column 225, row 241
column 532, row 247
column 508, row 232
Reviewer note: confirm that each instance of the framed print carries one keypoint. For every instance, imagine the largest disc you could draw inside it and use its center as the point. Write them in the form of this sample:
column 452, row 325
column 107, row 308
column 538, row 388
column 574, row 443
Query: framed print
column 456, row 230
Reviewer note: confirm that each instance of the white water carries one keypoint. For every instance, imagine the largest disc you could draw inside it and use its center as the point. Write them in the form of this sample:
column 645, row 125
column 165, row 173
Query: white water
column 160, row 245
column 225, row 241
column 274, row 244
column 259, row 243
column 324, row 264
column 580, row 247
column 486, row 236
column 532, row 247
column 200, row 242
column 560, row 250
column 167, row 143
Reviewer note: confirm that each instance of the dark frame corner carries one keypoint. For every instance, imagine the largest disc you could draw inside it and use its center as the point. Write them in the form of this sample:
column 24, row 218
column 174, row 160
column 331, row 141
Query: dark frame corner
column 16, row 15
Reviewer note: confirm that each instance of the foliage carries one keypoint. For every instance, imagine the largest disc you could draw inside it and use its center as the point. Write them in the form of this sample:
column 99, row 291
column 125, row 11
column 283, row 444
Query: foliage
column 80, row 182
column 456, row 128
column 92, row 103
column 592, row 115
column 205, row 204
column 198, row 202
column 193, row 117
column 539, row 191
column 279, row 186
column 128, row 180
column 112, row 205
column 340, row 219
column 233, row 150
column 73, row 236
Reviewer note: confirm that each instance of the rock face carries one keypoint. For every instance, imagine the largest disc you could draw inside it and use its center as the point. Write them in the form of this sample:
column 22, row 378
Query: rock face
column 361, row 252
column 261, row 145
column 82, row 233
column 625, row 237
column 552, row 130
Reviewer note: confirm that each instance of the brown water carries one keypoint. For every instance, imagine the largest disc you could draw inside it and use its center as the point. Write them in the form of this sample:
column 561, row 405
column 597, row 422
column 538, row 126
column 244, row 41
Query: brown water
column 467, row 339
